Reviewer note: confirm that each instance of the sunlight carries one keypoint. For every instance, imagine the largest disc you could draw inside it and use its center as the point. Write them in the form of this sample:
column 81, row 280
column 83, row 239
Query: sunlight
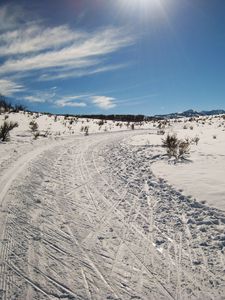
column 144, row 2
column 144, row 8
column 141, row 4
column 145, row 13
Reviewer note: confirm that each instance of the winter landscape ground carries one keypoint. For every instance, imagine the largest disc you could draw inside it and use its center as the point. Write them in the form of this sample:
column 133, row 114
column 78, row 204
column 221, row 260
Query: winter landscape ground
column 99, row 211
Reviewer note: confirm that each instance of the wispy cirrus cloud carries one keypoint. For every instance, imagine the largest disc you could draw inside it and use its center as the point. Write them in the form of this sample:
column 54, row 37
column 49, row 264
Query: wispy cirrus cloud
column 67, row 73
column 33, row 51
column 84, row 53
column 58, row 51
column 9, row 87
column 35, row 38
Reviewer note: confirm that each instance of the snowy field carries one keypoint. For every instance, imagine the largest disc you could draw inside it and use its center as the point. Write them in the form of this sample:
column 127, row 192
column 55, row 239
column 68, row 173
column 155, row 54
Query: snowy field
column 203, row 174
column 107, row 215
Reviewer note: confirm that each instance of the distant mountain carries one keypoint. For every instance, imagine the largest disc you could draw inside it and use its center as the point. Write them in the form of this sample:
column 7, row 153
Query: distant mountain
column 192, row 113
column 213, row 112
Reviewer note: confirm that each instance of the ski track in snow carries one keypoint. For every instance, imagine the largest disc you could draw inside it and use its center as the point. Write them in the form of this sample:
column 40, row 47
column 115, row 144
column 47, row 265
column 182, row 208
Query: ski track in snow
column 87, row 219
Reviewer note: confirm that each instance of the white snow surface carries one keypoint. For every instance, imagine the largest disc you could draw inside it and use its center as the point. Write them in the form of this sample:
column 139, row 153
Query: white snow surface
column 203, row 175
column 103, row 216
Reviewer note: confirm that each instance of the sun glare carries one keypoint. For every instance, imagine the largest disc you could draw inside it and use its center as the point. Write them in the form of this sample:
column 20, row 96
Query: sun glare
column 142, row 3
column 143, row 7
column 146, row 12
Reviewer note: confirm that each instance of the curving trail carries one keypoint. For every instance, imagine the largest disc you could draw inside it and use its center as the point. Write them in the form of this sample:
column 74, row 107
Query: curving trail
column 86, row 219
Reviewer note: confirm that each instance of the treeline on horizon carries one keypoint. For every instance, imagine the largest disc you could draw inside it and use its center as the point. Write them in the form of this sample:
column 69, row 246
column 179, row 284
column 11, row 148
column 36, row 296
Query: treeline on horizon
column 120, row 118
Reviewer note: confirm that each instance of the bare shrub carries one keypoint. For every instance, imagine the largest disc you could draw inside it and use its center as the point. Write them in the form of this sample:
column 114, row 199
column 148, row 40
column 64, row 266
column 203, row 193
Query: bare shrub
column 183, row 149
column 36, row 134
column 5, row 129
column 171, row 144
column 100, row 123
column 19, row 107
column 175, row 147
column 195, row 140
column 33, row 126
column 86, row 130
column 46, row 133
column 161, row 132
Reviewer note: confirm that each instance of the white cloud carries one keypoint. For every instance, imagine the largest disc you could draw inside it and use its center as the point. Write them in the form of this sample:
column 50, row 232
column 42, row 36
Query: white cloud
column 35, row 99
column 104, row 102
column 60, row 101
column 36, row 38
column 79, row 72
column 41, row 97
column 66, row 103
column 58, row 49
column 28, row 49
column 8, row 87
column 81, row 100
column 69, row 101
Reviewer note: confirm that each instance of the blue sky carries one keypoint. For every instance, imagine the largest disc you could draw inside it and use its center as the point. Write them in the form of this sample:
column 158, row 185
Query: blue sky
column 113, row 56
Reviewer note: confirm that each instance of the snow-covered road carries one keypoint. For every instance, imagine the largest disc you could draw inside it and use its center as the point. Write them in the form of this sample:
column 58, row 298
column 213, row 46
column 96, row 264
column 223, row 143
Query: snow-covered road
column 85, row 218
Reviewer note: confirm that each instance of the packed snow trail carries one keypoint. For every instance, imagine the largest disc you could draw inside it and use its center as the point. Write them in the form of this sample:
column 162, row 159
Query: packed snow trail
column 87, row 219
